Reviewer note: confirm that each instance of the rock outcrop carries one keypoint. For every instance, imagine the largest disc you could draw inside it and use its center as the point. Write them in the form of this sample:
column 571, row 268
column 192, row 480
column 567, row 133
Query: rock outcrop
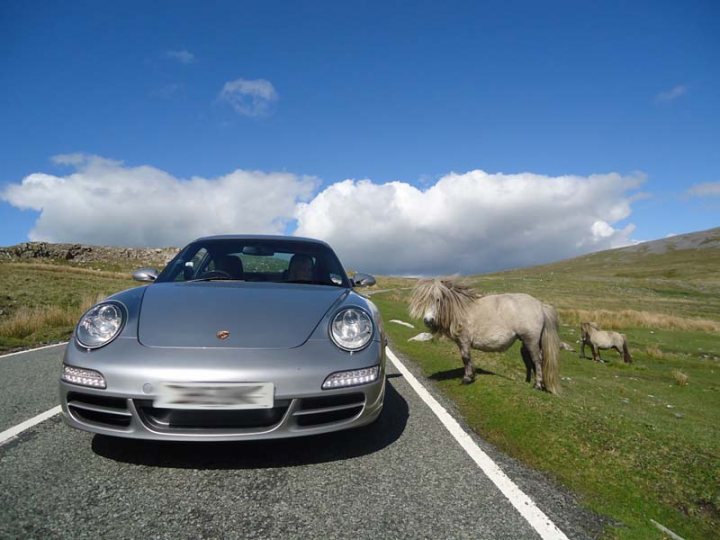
column 80, row 253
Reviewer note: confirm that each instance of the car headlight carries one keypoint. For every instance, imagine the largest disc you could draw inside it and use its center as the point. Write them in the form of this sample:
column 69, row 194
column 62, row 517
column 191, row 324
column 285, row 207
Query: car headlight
column 351, row 329
column 100, row 325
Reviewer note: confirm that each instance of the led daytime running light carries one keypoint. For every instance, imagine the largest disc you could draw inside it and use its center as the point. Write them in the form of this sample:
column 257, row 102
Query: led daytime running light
column 83, row 377
column 355, row 377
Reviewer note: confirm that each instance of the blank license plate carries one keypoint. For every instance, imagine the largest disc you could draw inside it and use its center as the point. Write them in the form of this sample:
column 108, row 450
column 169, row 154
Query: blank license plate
column 215, row 396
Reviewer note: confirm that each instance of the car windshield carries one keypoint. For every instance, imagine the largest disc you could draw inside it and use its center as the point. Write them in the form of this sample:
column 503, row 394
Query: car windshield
column 269, row 260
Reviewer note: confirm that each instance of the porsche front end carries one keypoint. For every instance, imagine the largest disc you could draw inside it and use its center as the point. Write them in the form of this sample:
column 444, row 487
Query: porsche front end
column 230, row 359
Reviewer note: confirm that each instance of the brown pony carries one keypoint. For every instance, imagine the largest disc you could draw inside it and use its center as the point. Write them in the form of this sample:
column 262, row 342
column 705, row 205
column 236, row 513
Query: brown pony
column 600, row 339
column 492, row 323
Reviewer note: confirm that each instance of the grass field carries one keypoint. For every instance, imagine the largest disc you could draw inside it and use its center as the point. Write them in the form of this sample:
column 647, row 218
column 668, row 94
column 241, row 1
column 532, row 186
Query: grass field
column 41, row 303
column 636, row 442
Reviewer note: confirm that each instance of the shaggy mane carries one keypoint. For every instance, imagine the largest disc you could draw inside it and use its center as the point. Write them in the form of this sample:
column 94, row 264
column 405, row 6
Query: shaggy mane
column 451, row 299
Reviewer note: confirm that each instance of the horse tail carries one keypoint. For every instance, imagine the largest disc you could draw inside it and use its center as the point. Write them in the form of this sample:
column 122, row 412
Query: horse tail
column 550, row 345
column 626, row 353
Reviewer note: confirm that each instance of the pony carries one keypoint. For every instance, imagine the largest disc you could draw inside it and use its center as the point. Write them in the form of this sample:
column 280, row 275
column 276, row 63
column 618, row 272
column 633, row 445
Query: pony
column 601, row 340
column 492, row 323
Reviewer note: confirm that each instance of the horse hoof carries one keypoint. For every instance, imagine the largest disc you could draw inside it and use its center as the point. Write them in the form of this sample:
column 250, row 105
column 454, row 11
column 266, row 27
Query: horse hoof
column 468, row 380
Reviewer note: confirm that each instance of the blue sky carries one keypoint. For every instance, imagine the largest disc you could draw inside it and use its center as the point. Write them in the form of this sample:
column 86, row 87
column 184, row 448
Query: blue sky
column 545, row 98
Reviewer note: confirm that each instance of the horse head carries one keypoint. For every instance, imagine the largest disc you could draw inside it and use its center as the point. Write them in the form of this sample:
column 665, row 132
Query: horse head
column 424, row 303
column 586, row 328
column 440, row 303
column 584, row 331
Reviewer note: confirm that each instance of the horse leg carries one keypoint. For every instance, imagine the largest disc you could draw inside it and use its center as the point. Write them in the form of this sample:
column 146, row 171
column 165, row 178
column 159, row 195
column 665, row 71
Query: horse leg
column 596, row 353
column 533, row 349
column 626, row 352
column 582, row 349
column 467, row 362
column 529, row 366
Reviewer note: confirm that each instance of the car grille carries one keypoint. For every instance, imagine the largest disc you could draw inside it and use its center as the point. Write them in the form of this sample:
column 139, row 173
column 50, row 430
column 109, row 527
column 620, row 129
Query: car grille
column 100, row 410
column 168, row 420
column 115, row 413
column 328, row 409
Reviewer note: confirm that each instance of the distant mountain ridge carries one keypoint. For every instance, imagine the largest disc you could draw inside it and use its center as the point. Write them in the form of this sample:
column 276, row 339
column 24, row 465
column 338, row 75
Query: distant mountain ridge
column 707, row 239
column 692, row 258
column 81, row 253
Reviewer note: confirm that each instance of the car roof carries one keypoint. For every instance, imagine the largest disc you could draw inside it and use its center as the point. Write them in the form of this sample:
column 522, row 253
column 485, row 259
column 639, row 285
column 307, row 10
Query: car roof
column 275, row 238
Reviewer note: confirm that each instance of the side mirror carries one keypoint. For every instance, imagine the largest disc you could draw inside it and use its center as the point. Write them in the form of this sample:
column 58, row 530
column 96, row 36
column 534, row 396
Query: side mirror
column 188, row 270
column 145, row 274
column 363, row 280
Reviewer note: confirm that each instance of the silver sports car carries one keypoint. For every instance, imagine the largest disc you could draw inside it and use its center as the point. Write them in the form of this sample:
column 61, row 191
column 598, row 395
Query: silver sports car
column 239, row 337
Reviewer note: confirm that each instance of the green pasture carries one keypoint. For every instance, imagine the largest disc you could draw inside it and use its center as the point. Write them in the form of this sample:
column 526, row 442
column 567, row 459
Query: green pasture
column 40, row 303
column 636, row 442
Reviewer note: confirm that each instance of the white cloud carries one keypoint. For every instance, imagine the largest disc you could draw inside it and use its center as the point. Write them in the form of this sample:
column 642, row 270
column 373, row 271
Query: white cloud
column 182, row 56
column 104, row 202
column 707, row 189
column 249, row 97
column 672, row 94
column 467, row 223
column 470, row 222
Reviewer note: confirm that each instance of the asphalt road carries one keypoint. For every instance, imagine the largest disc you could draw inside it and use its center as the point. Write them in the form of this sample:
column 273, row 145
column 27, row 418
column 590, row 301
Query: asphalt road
column 402, row 477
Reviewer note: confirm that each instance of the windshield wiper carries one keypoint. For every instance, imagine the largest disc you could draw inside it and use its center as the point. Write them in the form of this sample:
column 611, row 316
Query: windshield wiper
column 213, row 278
column 310, row 282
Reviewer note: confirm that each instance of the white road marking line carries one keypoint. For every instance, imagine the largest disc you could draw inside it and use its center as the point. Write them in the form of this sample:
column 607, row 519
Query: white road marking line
column 27, row 424
column 522, row 503
column 32, row 350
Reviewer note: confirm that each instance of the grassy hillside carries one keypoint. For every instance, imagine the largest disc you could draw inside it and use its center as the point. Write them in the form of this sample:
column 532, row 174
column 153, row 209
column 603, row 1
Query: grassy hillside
column 637, row 442
column 44, row 288
column 41, row 303
column 673, row 282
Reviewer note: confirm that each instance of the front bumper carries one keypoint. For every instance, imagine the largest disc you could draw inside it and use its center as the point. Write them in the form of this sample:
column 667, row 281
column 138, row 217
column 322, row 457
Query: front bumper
column 132, row 372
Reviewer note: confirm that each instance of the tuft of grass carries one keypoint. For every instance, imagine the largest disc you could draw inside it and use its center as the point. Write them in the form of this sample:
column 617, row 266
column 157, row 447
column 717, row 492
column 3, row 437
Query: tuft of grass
column 617, row 320
column 680, row 378
column 41, row 303
column 29, row 321
column 654, row 352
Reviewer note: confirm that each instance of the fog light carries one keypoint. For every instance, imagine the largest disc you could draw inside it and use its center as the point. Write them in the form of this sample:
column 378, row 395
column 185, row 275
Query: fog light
column 342, row 379
column 83, row 377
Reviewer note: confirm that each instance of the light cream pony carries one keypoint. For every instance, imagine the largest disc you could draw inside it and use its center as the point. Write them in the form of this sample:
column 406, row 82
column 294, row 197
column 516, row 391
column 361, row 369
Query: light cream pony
column 602, row 340
column 492, row 323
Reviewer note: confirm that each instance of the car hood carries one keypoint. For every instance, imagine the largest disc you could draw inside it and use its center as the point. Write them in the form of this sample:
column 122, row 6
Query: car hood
column 255, row 315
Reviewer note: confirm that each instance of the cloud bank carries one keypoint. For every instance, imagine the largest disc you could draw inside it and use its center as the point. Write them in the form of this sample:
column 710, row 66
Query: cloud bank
column 472, row 222
column 107, row 203
column 467, row 223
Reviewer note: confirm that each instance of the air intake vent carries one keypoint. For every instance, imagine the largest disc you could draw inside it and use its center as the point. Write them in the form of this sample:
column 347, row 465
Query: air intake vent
column 328, row 409
column 102, row 411
column 168, row 420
